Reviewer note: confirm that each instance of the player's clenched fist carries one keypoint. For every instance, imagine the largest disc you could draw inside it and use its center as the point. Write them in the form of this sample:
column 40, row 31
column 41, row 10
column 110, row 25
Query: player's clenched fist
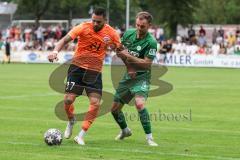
column 53, row 56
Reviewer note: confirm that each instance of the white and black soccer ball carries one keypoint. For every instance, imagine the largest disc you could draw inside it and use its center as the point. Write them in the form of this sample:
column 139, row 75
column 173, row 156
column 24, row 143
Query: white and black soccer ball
column 53, row 137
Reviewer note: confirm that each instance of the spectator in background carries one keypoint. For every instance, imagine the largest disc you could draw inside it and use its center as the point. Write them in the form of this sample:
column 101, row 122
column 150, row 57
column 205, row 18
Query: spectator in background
column 1, row 44
column 237, row 32
column 202, row 31
column 39, row 35
column 201, row 50
column 152, row 31
column 160, row 34
column 214, row 36
column 202, row 40
column 215, row 49
column 58, row 32
column 179, row 46
column 191, row 34
column 27, row 34
column 219, row 39
column 7, row 51
column 166, row 47
column 221, row 32
column 231, row 39
column 237, row 50
column 230, row 49
column 0, row 34
column 191, row 48
column 223, row 49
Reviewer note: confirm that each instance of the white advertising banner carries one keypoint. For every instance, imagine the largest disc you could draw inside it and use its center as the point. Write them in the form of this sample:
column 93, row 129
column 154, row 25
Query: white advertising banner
column 229, row 61
column 225, row 61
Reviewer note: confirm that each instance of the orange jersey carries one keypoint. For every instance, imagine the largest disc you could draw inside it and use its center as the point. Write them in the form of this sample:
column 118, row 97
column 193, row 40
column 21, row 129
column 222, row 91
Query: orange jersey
column 92, row 46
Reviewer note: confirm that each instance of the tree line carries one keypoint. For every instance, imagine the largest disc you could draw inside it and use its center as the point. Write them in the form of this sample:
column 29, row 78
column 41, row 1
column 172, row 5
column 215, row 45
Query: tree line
column 167, row 13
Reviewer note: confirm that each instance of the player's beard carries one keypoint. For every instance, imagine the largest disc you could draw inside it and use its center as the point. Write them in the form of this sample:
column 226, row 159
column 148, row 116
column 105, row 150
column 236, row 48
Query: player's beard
column 141, row 34
column 97, row 28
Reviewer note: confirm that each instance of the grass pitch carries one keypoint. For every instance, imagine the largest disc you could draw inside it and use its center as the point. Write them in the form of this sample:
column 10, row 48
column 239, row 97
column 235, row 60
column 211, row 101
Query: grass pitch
column 204, row 103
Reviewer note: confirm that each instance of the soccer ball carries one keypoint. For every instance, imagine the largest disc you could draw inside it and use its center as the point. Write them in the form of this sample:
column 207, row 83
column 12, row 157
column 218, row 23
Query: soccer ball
column 53, row 137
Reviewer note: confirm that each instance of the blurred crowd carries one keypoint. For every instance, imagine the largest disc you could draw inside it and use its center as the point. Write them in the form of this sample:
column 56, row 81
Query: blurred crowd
column 30, row 38
column 195, row 42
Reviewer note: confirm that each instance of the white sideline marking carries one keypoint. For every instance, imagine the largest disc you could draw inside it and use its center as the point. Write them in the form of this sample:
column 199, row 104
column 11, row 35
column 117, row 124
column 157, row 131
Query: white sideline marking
column 133, row 151
column 27, row 96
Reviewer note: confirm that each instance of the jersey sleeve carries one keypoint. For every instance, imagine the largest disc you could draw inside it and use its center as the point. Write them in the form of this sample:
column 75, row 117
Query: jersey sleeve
column 76, row 31
column 152, row 50
column 116, row 39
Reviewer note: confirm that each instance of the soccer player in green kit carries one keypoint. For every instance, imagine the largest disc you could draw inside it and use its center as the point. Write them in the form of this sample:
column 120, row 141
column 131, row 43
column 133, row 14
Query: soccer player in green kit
column 140, row 50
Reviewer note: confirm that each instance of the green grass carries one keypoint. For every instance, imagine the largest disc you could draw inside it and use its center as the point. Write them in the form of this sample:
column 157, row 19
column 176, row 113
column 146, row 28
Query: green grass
column 213, row 96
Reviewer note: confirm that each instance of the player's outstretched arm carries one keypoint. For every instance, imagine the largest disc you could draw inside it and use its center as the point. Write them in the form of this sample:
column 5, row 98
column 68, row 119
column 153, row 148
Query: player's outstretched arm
column 53, row 55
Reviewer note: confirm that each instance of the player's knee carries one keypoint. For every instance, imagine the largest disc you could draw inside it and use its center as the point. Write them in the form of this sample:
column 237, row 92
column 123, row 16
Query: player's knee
column 115, row 108
column 69, row 99
column 94, row 102
column 139, row 103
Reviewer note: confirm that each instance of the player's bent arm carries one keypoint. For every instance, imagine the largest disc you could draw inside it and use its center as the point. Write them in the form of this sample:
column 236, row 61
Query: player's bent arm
column 137, row 63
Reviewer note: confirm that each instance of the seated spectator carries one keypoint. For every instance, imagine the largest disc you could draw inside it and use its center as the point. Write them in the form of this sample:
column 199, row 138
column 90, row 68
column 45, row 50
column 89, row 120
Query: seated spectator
column 237, row 50
column 191, row 48
column 201, row 50
column 229, row 49
column 215, row 49
column 222, row 49
column 166, row 47
column 179, row 47
column 202, row 40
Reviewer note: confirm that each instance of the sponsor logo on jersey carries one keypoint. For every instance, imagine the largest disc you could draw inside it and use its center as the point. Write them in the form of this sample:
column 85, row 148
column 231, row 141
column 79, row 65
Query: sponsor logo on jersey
column 139, row 48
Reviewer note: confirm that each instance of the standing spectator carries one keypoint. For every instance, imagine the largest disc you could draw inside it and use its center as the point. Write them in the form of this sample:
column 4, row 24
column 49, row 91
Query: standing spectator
column 214, row 35
column 191, row 34
column 39, row 35
column 237, row 32
column 202, row 31
column 160, row 34
column 221, row 32
column 7, row 51
column 27, row 33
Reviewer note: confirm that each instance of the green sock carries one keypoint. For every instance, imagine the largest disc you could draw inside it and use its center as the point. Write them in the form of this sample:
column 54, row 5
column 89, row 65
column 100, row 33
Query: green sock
column 120, row 119
column 145, row 120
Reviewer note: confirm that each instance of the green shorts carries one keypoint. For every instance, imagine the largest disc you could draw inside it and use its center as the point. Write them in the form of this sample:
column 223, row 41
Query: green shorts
column 128, row 89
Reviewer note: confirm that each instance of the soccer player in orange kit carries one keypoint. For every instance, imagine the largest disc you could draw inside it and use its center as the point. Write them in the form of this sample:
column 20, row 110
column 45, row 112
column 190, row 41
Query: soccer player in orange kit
column 85, row 70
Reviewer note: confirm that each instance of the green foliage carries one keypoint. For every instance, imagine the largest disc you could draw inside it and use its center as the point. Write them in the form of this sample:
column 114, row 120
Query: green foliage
column 168, row 13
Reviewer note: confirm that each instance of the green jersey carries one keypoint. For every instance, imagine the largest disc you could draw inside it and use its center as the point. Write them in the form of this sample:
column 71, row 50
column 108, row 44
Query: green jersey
column 141, row 48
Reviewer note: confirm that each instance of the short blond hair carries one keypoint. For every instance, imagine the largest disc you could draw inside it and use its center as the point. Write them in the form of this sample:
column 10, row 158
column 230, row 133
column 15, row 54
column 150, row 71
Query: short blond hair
column 145, row 15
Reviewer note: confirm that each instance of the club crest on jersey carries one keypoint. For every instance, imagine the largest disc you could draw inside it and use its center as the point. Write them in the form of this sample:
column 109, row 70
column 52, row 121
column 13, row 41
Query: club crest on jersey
column 139, row 48
column 106, row 39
